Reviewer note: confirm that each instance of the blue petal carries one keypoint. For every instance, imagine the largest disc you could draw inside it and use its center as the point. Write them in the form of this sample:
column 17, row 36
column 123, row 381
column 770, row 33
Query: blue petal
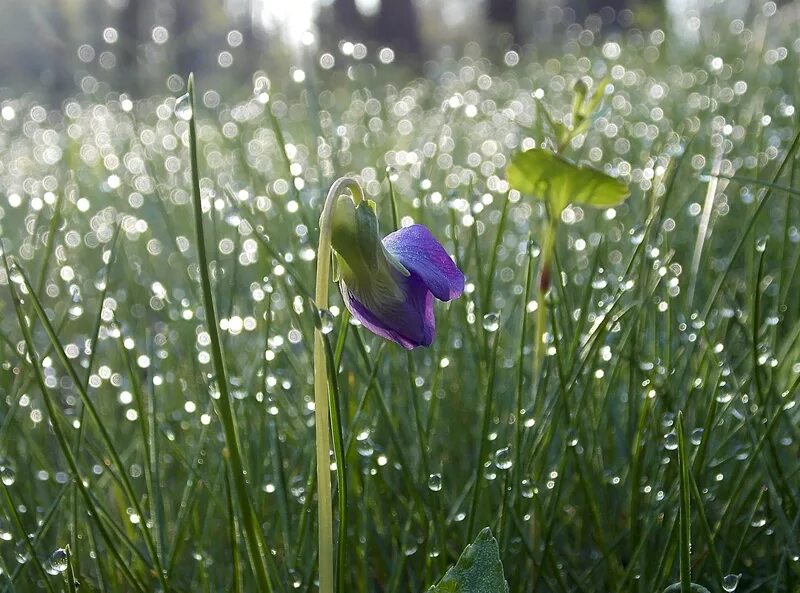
column 409, row 322
column 419, row 251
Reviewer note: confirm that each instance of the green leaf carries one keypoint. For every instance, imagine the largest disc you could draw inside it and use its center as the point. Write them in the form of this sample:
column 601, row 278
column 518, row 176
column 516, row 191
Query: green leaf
column 560, row 182
column 479, row 569
column 557, row 129
column 597, row 97
column 578, row 99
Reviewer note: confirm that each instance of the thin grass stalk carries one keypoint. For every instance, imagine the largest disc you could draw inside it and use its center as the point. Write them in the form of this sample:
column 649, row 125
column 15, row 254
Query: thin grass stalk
column 256, row 547
column 517, row 472
column 13, row 513
column 482, row 448
column 58, row 430
column 734, row 251
column 233, row 534
column 685, row 510
column 498, row 239
column 72, row 582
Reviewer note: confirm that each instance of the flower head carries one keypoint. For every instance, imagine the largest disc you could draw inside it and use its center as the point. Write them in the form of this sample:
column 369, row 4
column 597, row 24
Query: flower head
column 389, row 285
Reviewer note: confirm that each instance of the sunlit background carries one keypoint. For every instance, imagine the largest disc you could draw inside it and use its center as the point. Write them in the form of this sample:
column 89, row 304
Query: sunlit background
column 49, row 46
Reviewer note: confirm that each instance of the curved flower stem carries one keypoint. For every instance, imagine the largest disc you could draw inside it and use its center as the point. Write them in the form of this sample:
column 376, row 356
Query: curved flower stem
column 341, row 473
column 321, row 401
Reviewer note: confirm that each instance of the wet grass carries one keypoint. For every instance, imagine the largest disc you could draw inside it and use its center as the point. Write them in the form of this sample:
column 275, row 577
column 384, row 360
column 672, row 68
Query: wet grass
column 120, row 404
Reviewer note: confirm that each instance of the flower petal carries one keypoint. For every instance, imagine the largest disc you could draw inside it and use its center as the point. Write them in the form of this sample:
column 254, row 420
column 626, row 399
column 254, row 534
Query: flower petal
column 419, row 251
column 409, row 322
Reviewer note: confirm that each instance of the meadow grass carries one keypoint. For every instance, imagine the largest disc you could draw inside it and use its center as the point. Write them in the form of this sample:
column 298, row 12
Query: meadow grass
column 161, row 452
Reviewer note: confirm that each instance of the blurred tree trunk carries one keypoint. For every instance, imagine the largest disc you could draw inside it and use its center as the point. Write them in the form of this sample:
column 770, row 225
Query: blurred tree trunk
column 57, row 77
column 186, row 28
column 53, row 30
column 505, row 13
column 249, row 56
column 129, row 29
column 594, row 6
column 396, row 26
column 348, row 18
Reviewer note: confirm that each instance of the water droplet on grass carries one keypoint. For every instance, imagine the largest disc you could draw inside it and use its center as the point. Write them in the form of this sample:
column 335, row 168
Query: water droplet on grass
column 527, row 488
column 502, row 458
column 183, row 107
column 572, row 438
column 491, row 322
column 58, row 562
column 325, row 321
column 730, row 582
column 21, row 552
column 697, row 436
column 435, row 482
column 759, row 521
column 671, row 441
column 8, row 476
column 410, row 550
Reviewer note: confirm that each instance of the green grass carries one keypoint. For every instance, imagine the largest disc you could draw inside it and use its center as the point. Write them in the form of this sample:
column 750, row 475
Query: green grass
column 170, row 455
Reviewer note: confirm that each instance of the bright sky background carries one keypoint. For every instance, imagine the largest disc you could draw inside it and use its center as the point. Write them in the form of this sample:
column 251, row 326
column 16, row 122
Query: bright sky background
column 294, row 17
column 291, row 17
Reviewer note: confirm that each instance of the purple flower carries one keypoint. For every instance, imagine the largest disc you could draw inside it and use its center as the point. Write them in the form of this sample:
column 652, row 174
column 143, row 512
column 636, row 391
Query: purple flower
column 389, row 285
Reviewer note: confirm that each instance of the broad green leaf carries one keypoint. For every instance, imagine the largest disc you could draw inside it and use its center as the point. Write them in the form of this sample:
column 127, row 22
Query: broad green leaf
column 479, row 569
column 560, row 182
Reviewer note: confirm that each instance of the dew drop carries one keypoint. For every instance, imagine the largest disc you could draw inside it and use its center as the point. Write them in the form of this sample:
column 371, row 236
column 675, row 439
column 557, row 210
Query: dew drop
column 572, row 438
column 183, row 107
column 21, row 552
column 491, row 322
column 392, row 174
column 527, row 488
column 697, row 436
column 671, row 441
column 7, row 475
column 325, row 321
column 761, row 244
column 502, row 458
column 730, row 582
column 58, row 562
column 435, row 482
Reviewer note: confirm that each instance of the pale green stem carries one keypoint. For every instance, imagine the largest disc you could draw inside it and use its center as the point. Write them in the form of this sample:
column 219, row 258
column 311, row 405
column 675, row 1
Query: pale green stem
column 543, row 284
column 321, row 401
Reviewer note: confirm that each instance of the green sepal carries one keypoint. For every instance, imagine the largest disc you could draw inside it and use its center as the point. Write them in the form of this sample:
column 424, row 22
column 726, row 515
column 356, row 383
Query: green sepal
column 362, row 262
column 396, row 263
